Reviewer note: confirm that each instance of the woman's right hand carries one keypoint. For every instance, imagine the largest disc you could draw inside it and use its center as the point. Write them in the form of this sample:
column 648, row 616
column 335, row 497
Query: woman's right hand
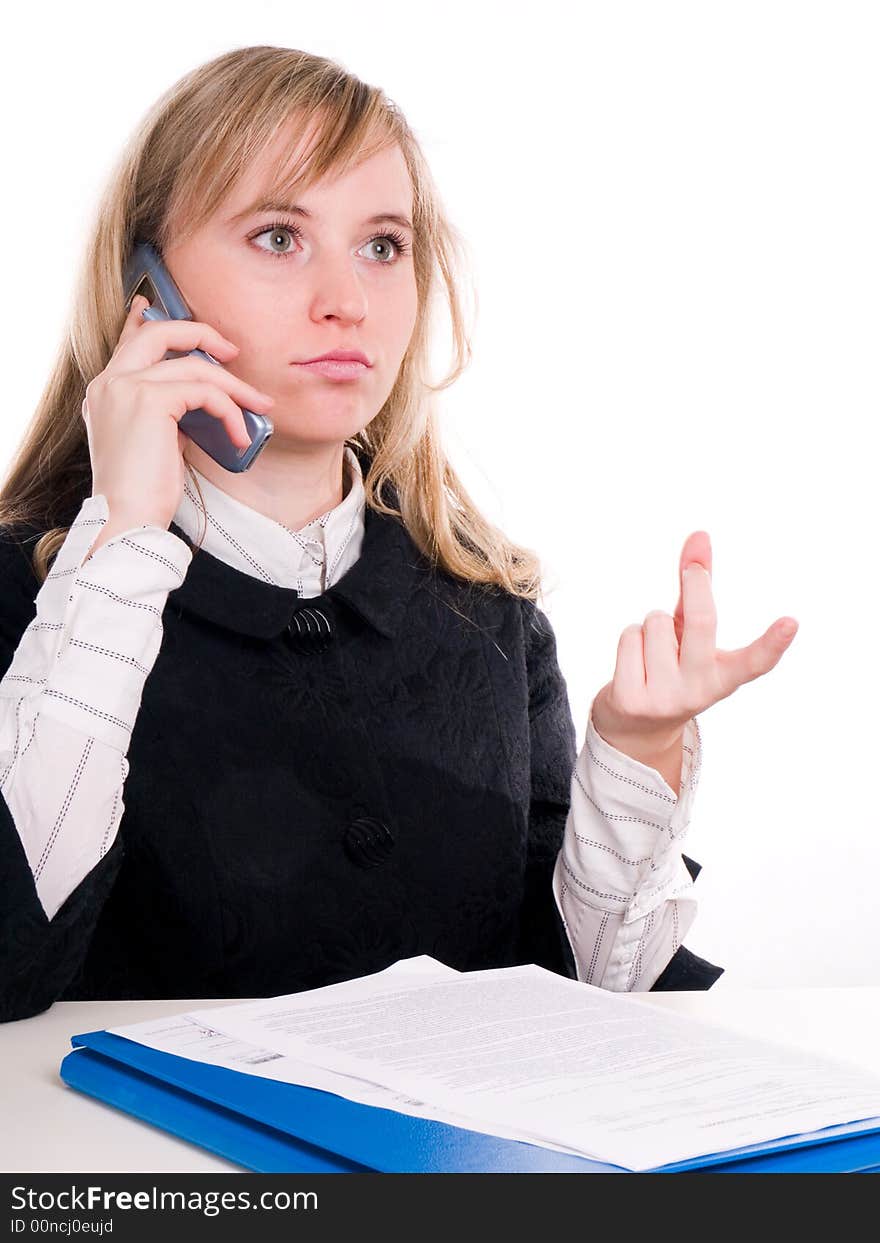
column 132, row 408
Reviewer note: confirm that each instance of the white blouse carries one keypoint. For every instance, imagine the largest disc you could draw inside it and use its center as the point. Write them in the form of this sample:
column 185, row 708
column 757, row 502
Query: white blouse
column 70, row 698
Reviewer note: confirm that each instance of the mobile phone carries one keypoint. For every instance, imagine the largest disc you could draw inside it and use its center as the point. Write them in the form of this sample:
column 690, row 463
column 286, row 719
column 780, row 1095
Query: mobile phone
column 145, row 273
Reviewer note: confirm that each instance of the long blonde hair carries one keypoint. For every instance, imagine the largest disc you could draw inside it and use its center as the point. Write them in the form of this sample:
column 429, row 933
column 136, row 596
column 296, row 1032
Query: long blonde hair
column 179, row 164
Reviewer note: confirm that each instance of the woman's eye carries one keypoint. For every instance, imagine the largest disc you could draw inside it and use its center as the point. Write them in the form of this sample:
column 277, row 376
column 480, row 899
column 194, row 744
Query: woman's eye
column 392, row 245
column 388, row 245
column 276, row 232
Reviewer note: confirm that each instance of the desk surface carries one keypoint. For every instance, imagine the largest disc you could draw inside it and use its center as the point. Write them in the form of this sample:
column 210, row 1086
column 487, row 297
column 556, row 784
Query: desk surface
column 57, row 1129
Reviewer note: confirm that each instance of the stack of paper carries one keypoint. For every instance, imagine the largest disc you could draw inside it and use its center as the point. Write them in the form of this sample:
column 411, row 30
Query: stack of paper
column 525, row 1054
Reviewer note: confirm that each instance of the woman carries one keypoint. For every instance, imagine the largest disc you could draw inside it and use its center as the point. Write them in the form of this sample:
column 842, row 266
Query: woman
column 321, row 690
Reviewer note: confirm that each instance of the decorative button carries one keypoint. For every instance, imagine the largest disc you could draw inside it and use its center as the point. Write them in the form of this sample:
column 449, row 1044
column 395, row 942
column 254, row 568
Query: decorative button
column 368, row 842
column 309, row 631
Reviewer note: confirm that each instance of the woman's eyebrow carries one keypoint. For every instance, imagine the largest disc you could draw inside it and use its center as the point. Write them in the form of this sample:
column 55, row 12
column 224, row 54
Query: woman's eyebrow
column 292, row 209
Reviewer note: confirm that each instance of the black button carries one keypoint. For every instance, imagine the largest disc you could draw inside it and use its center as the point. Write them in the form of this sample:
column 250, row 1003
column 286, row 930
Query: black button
column 368, row 842
column 309, row 631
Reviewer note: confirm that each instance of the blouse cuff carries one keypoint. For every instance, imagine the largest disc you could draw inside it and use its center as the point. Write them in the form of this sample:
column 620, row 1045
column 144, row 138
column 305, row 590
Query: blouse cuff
column 645, row 786
column 623, row 836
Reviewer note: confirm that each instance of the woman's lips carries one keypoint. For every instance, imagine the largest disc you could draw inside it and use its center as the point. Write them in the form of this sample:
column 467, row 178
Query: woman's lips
column 335, row 369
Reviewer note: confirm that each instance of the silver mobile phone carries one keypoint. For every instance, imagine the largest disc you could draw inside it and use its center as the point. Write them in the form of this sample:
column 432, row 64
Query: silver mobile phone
column 146, row 273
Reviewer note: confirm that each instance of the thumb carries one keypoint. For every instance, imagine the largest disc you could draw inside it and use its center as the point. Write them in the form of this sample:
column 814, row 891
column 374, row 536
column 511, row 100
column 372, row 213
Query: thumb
column 744, row 664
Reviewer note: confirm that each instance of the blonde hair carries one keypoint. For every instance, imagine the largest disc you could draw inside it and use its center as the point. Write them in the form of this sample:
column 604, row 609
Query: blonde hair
column 186, row 154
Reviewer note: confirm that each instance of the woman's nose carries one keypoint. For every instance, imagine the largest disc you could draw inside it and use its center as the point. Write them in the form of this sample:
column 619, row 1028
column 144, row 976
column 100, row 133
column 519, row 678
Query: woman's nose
column 338, row 291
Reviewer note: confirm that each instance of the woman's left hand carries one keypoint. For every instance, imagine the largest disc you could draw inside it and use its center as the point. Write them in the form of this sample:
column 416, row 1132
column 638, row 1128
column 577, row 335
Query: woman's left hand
column 669, row 669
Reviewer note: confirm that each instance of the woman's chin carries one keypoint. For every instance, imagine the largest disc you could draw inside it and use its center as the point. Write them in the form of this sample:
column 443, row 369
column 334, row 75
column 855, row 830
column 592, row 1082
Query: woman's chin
column 313, row 432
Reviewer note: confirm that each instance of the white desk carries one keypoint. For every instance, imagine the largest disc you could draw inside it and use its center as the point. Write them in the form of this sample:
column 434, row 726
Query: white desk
column 53, row 1128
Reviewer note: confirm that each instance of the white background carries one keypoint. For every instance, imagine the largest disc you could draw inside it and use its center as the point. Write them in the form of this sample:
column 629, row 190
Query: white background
column 672, row 214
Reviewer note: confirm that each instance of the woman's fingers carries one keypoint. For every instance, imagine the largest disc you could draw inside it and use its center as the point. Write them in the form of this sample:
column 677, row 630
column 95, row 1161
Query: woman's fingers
column 132, row 322
column 697, row 547
column 143, row 343
column 661, row 654
column 697, row 649
column 669, row 668
column 192, row 368
column 629, row 672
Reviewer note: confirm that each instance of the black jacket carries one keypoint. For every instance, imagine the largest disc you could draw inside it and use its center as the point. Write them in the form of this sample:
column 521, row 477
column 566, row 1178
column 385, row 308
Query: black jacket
column 297, row 813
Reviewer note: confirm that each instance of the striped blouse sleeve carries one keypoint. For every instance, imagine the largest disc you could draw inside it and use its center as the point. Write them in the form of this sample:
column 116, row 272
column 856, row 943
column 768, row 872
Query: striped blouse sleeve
column 622, row 888
column 71, row 694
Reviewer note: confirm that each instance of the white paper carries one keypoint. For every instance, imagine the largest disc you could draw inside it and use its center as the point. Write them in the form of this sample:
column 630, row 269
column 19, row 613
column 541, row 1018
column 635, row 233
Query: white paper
column 557, row 1061
column 185, row 1036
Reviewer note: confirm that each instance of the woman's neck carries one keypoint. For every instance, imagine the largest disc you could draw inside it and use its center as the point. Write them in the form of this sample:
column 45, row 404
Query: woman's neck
column 290, row 487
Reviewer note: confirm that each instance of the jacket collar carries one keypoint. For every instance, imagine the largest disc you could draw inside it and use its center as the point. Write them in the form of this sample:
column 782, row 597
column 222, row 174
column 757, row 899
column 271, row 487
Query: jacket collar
column 378, row 586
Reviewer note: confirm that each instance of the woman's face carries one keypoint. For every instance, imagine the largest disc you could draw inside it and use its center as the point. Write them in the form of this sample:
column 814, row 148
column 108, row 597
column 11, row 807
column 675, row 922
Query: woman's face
column 285, row 287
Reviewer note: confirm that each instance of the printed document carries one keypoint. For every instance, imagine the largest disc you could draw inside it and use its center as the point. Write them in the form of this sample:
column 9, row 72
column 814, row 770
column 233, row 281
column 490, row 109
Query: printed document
column 525, row 1053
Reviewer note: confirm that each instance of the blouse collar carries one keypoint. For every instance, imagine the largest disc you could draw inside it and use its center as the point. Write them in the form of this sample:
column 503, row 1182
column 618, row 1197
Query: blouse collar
column 309, row 560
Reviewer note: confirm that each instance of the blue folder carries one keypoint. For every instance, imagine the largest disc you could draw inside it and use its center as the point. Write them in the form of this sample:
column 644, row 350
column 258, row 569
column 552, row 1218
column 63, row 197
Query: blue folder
column 273, row 1127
